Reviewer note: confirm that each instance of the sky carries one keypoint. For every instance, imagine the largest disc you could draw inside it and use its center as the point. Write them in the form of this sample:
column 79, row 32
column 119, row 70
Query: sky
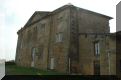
column 15, row 13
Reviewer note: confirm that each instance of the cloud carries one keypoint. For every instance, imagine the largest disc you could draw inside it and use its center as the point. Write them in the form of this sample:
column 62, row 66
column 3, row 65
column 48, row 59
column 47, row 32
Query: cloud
column 15, row 13
column 2, row 35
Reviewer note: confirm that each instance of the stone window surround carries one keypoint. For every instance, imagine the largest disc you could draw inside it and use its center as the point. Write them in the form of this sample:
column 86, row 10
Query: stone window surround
column 96, row 48
column 59, row 37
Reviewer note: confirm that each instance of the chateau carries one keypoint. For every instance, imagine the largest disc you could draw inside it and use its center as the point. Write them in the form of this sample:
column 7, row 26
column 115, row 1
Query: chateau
column 69, row 40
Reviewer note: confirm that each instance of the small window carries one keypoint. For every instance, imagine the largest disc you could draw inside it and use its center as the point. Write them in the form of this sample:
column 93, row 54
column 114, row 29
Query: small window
column 59, row 37
column 97, row 48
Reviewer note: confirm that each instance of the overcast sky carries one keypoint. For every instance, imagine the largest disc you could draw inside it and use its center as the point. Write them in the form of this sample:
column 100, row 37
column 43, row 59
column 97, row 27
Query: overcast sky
column 15, row 13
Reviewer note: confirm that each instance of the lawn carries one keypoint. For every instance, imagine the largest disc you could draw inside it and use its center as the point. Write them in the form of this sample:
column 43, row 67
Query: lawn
column 12, row 69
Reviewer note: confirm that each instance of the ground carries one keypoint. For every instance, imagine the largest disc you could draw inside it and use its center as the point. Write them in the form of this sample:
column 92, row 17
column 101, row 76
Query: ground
column 12, row 69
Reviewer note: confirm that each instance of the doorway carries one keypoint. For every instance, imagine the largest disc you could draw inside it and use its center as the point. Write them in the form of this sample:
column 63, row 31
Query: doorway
column 96, row 67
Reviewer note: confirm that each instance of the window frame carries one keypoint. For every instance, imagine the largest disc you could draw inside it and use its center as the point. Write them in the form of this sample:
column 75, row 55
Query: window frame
column 59, row 37
column 96, row 48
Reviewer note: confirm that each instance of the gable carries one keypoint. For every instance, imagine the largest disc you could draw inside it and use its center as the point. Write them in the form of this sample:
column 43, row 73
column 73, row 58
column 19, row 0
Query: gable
column 35, row 17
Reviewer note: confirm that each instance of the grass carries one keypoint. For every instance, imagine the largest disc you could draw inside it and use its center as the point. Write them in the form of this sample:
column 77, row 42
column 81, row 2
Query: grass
column 12, row 69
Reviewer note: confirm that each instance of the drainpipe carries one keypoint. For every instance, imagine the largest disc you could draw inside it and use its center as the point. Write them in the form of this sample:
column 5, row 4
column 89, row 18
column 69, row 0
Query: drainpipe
column 69, row 64
column 49, row 40
column 109, row 62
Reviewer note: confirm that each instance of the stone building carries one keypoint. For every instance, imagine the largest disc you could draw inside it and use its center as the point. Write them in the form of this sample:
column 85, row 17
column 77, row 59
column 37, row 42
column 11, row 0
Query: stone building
column 70, row 40
column 118, row 53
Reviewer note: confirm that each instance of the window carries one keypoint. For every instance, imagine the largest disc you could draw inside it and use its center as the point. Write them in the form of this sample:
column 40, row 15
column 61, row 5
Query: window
column 59, row 37
column 52, row 63
column 97, row 48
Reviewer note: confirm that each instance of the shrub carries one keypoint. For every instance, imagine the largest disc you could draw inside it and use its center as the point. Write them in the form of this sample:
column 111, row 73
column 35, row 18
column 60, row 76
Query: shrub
column 11, row 62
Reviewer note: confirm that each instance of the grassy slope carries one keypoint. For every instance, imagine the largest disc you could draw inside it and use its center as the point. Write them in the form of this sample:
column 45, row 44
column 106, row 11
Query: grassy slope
column 17, row 70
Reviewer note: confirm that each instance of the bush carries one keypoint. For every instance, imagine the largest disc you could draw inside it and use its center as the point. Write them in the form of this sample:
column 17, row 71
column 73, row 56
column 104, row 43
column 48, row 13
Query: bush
column 11, row 62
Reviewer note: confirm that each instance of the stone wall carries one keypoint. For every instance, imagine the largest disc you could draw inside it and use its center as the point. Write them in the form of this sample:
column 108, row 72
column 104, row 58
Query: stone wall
column 33, row 37
column 112, row 54
column 118, row 54
column 59, row 50
column 92, row 23
column 74, row 53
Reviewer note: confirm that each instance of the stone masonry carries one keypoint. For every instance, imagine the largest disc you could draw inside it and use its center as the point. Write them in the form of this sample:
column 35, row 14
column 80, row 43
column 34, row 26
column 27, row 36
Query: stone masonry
column 70, row 40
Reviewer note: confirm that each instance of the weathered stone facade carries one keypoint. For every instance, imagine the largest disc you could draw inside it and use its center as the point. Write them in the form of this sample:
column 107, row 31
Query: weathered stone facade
column 70, row 40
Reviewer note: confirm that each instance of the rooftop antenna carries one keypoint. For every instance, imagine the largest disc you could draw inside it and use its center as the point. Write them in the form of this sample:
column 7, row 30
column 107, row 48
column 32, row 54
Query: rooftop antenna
column 69, row 4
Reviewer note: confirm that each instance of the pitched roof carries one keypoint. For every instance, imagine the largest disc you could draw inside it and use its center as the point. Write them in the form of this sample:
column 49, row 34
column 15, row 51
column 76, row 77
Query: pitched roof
column 70, row 5
column 42, row 14
column 36, row 16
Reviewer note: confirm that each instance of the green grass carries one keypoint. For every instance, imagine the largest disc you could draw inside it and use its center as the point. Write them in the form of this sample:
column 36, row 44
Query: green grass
column 12, row 69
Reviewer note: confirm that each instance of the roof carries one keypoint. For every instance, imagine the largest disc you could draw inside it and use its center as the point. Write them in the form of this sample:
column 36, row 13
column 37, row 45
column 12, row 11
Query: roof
column 92, row 12
column 70, row 5
column 43, row 14
column 39, row 15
